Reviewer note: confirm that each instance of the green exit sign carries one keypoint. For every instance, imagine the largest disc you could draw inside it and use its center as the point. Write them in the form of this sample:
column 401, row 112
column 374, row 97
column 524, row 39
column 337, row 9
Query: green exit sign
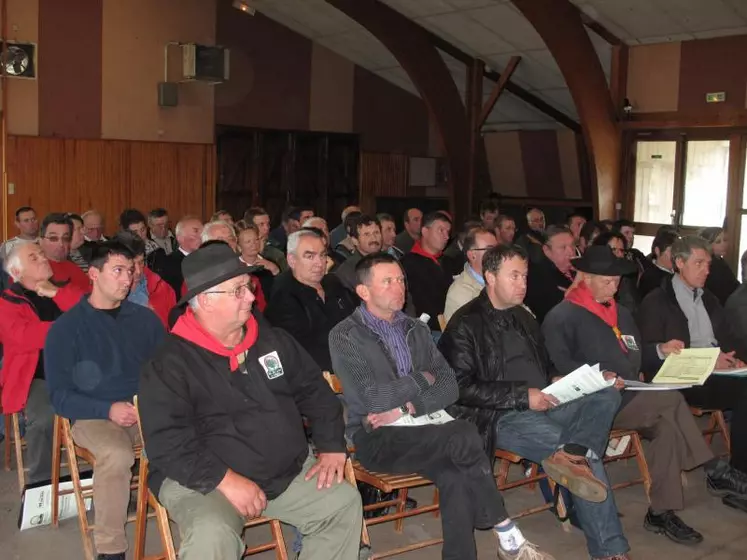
column 717, row 97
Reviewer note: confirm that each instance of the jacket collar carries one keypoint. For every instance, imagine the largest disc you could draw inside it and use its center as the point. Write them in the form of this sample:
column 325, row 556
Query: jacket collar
column 357, row 318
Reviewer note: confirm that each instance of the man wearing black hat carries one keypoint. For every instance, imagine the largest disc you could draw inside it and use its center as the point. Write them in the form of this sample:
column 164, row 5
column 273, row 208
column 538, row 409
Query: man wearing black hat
column 495, row 347
column 221, row 408
column 588, row 327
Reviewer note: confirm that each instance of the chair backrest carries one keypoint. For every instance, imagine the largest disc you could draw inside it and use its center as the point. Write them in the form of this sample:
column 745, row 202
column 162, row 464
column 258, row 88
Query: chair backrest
column 139, row 425
column 333, row 381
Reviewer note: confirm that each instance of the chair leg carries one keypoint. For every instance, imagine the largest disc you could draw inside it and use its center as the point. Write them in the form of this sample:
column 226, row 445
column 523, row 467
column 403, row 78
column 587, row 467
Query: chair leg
column 350, row 477
column 56, row 463
column 18, row 441
column 721, row 423
column 7, row 443
column 401, row 506
column 533, row 470
column 436, row 513
column 640, row 458
column 503, row 468
column 281, row 553
column 141, row 516
column 164, row 529
column 72, row 462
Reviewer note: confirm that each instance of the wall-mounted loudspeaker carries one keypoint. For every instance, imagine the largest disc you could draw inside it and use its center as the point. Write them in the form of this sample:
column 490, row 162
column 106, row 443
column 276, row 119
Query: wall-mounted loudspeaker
column 205, row 63
column 18, row 60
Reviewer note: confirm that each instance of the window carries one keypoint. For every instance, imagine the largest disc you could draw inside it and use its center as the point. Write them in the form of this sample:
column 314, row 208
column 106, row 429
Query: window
column 706, row 182
column 654, row 182
column 643, row 243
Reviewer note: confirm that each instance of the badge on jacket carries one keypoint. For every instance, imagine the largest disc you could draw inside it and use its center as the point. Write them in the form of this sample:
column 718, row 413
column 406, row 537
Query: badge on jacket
column 629, row 341
column 271, row 364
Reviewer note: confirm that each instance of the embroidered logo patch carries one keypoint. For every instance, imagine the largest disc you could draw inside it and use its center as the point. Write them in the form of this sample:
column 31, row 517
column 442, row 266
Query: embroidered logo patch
column 271, row 364
column 629, row 341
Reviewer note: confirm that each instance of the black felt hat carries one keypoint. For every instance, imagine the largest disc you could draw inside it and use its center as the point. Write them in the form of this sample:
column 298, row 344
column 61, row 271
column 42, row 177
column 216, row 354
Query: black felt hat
column 601, row 260
column 209, row 266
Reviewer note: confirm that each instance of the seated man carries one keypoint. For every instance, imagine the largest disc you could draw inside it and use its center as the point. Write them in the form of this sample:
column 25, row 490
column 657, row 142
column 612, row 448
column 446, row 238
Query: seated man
column 468, row 285
column 390, row 368
column 428, row 278
column 55, row 240
column 552, row 275
column 366, row 235
column 454, row 258
column 534, row 239
column 661, row 258
column 222, row 404
column 682, row 310
column 92, row 360
column 188, row 237
column 495, row 347
column 148, row 288
column 389, row 235
column 307, row 302
column 588, row 327
column 27, row 310
column 505, row 229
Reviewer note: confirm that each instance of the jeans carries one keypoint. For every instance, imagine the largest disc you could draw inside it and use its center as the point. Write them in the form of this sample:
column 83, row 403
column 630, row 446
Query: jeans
column 537, row 435
column 452, row 456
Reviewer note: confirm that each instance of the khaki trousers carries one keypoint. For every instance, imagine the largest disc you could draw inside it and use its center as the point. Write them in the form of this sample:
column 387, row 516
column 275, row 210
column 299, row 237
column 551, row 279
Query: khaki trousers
column 330, row 519
column 677, row 444
column 111, row 446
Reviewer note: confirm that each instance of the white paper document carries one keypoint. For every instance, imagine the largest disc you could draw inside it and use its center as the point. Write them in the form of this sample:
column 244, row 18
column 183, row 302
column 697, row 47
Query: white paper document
column 641, row 386
column 579, row 383
column 692, row 366
column 36, row 507
column 438, row 417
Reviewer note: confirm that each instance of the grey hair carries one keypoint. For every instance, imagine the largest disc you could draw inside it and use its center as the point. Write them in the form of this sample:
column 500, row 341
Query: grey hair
column 314, row 219
column 91, row 213
column 180, row 225
column 207, row 230
column 13, row 259
column 295, row 238
column 683, row 247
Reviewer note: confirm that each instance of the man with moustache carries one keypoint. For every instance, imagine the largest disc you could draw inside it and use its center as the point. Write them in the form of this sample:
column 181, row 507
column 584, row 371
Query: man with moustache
column 366, row 235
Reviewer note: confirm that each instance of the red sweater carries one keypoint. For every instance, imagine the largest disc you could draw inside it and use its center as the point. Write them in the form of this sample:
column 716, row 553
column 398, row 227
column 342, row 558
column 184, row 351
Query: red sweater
column 23, row 334
column 161, row 297
column 65, row 271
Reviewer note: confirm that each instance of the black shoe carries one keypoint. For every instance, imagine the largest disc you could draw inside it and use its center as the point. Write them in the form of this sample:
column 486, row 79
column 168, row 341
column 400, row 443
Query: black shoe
column 672, row 526
column 735, row 502
column 118, row 556
column 726, row 480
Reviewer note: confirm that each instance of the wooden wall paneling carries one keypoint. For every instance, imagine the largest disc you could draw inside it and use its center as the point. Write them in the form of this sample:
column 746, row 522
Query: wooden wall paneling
column 382, row 175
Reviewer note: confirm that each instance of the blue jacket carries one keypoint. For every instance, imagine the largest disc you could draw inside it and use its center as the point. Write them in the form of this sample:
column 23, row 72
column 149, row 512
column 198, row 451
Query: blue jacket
column 92, row 360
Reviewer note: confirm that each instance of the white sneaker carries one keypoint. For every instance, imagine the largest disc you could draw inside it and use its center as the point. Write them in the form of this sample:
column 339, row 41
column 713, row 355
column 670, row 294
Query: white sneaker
column 527, row 551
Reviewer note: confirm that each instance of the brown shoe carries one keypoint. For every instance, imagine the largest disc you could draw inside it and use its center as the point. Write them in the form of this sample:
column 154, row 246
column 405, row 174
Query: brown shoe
column 574, row 473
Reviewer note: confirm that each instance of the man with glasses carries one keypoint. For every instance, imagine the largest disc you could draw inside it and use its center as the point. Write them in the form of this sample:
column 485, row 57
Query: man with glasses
column 468, row 285
column 93, row 225
column 92, row 358
column 254, row 383
column 56, row 237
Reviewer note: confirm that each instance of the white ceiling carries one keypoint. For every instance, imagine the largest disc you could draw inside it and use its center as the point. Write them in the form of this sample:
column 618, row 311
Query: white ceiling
column 494, row 30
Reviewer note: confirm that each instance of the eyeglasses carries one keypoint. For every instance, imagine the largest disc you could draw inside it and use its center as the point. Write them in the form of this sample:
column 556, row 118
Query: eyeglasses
column 55, row 239
column 238, row 292
column 483, row 248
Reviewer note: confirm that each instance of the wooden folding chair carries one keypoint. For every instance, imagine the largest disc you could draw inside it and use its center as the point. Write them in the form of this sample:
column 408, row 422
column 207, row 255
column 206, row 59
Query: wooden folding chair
column 14, row 443
column 388, row 483
column 7, row 443
column 716, row 425
column 505, row 460
column 634, row 450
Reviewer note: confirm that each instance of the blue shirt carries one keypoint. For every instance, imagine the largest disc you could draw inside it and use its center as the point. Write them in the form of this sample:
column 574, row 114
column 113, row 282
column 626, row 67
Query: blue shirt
column 139, row 293
column 478, row 278
column 92, row 358
column 394, row 337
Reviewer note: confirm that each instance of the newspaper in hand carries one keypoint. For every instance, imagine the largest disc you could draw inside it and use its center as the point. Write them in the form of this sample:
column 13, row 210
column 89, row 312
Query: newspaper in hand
column 579, row 383
column 438, row 417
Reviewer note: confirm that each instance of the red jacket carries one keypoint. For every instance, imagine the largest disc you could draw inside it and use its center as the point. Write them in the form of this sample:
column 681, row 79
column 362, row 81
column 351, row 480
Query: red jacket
column 23, row 334
column 161, row 297
column 65, row 271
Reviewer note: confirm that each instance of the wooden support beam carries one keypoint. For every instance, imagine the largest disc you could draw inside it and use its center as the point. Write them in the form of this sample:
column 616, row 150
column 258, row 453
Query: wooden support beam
column 473, row 102
column 500, row 85
column 410, row 44
column 619, row 78
column 561, row 27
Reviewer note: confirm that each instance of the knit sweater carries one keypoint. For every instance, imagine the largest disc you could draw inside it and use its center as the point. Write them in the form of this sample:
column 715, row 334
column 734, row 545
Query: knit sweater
column 92, row 359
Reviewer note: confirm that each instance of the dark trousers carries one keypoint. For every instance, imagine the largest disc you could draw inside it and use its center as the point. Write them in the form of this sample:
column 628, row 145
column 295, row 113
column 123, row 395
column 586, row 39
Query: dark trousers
column 726, row 393
column 452, row 456
column 39, row 432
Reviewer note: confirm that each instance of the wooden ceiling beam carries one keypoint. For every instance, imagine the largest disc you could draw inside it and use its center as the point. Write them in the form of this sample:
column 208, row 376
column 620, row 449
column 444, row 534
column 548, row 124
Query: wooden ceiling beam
column 500, row 85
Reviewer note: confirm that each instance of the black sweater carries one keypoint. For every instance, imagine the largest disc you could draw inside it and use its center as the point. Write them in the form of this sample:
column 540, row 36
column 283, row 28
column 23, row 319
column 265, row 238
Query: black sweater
column 428, row 284
column 199, row 419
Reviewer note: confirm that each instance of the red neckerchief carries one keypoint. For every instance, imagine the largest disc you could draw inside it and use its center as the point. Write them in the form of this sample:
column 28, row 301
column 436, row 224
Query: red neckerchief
column 581, row 295
column 417, row 248
column 190, row 329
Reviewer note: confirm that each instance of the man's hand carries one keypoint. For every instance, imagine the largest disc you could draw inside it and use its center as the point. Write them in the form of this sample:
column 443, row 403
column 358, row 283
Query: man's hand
column 329, row 467
column 619, row 381
column 671, row 347
column 726, row 360
column 123, row 414
column 248, row 498
column 541, row 401
column 45, row 288
column 379, row 419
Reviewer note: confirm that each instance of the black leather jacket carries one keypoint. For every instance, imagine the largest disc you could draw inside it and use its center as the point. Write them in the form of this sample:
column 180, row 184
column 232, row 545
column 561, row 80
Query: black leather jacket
column 479, row 343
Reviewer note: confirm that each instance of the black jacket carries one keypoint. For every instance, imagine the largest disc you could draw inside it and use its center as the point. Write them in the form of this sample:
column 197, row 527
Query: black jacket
column 199, row 419
column 736, row 312
column 661, row 319
column 497, row 356
column 546, row 287
column 428, row 283
column 172, row 271
column 652, row 279
column 532, row 242
column 453, row 259
column 298, row 309
column 721, row 281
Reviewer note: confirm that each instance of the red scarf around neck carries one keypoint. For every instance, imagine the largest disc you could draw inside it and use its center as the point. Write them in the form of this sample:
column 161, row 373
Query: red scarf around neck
column 417, row 248
column 190, row 329
column 581, row 295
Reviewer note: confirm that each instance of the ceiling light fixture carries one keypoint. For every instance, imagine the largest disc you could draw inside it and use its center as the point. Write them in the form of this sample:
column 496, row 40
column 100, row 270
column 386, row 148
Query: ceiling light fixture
column 244, row 6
